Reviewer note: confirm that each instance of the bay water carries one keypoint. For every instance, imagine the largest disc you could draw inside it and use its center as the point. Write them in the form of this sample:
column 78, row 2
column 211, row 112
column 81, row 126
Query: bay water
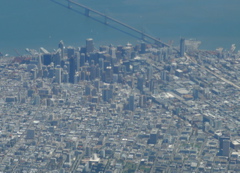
column 43, row 23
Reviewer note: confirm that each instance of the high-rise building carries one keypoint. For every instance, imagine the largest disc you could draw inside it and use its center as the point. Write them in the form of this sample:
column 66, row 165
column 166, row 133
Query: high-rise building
column 142, row 101
column 149, row 72
column 70, row 52
column 89, row 45
column 153, row 137
column 131, row 104
column 71, row 70
column 82, row 59
column 107, row 94
column 140, row 83
column 61, row 46
column 224, row 145
column 182, row 47
column 57, row 57
column 77, row 61
column 65, row 77
column 47, row 58
column 108, row 74
column 58, row 74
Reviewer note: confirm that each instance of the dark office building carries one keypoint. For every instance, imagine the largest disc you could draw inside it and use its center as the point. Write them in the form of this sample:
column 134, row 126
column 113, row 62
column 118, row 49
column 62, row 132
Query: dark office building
column 131, row 104
column 82, row 59
column 107, row 95
column 71, row 70
column 140, row 83
column 47, row 58
column 70, row 52
column 108, row 75
column 153, row 137
column 89, row 45
column 224, row 145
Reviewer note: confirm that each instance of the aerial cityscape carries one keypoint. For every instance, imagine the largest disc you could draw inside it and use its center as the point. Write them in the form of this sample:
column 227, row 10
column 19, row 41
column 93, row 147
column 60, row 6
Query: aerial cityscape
column 149, row 107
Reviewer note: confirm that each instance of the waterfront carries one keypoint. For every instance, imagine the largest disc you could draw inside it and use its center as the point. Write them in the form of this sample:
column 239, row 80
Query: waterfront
column 212, row 22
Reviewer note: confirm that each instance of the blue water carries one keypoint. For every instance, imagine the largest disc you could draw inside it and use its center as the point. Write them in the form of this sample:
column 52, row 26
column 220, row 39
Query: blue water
column 42, row 23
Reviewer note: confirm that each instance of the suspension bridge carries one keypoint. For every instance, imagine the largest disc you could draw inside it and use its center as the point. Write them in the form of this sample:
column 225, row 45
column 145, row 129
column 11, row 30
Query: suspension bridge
column 107, row 19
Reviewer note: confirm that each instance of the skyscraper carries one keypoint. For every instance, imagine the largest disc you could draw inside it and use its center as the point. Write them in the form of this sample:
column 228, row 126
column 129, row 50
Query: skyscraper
column 224, row 145
column 140, row 83
column 47, row 58
column 58, row 74
column 82, row 59
column 89, row 45
column 182, row 47
column 61, row 46
column 70, row 51
column 77, row 61
column 107, row 94
column 131, row 104
column 71, row 70
column 153, row 137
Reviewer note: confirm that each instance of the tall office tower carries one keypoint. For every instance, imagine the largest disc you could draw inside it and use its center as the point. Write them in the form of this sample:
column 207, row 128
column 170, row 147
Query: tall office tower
column 101, row 63
column 107, row 94
column 39, row 60
column 152, row 85
column 76, row 78
column 70, row 52
column 82, row 59
column 47, row 58
column 131, row 104
column 89, row 45
column 92, row 72
column 108, row 75
column 65, row 77
column 58, row 74
column 153, row 137
column 224, row 145
column 182, row 47
column 112, row 52
column 149, row 72
column 50, row 72
column 57, row 57
column 61, row 46
column 164, row 75
column 140, row 83
column 142, row 101
column 77, row 61
column 83, row 75
column 71, row 70
column 226, row 148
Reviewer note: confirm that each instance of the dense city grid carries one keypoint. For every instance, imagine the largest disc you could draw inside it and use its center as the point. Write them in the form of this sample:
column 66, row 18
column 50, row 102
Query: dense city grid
column 120, row 109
